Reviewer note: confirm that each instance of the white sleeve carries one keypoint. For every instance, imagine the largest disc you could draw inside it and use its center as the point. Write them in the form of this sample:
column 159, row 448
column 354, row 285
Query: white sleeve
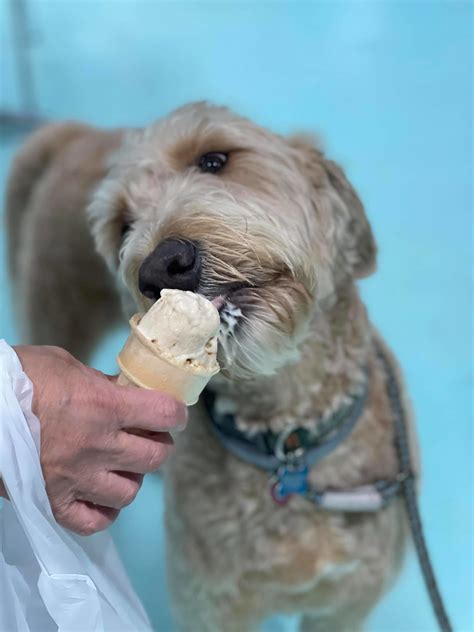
column 50, row 578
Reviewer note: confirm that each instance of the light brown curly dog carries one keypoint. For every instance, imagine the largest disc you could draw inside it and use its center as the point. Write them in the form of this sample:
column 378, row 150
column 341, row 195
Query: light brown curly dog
column 208, row 201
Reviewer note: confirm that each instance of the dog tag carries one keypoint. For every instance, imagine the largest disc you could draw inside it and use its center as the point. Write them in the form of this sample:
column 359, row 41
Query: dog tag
column 289, row 480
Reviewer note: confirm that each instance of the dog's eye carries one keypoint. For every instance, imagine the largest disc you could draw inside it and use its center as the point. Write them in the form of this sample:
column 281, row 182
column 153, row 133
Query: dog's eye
column 212, row 162
column 126, row 227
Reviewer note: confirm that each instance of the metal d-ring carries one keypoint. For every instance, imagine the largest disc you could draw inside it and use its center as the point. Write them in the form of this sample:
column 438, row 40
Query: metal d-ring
column 283, row 455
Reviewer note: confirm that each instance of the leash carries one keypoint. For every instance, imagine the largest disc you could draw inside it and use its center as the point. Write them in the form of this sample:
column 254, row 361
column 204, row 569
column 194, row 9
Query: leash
column 408, row 491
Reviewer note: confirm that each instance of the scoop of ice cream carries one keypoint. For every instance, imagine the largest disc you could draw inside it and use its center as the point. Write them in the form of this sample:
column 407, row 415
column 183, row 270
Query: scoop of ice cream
column 183, row 326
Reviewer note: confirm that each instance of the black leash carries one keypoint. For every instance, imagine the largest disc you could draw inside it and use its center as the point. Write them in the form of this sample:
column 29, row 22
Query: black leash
column 409, row 494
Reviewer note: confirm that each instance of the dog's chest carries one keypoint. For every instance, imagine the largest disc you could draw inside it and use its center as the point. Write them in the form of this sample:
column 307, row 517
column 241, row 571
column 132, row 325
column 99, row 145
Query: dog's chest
column 221, row 516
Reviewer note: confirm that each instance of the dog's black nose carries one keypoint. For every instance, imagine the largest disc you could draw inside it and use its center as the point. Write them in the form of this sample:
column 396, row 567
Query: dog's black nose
column 174, row 264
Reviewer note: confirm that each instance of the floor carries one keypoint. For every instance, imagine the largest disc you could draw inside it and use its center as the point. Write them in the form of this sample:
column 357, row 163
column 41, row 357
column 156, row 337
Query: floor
column 388, row 87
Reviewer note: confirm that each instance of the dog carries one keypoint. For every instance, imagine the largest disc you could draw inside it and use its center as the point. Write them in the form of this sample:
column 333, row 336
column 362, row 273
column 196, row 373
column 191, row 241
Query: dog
column 207, row 201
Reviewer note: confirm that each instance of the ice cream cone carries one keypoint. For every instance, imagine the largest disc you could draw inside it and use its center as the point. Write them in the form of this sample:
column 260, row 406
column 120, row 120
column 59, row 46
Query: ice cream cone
column 142, row 364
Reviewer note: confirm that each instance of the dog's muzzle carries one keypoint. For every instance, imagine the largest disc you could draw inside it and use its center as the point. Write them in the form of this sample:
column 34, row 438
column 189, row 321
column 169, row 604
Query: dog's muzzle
column 174, row 264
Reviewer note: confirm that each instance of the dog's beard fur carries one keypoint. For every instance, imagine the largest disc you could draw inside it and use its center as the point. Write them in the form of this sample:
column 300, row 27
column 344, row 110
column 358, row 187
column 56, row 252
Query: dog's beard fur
column 278, row 230
column 267, row 300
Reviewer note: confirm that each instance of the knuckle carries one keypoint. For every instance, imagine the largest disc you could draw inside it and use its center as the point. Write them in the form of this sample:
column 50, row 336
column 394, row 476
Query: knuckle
column 104, row 407
column 95, row 524
column 116, row 403
column 61, row 514
column 169, row 412
column 88, row 528
column 176, row 410
column 104, row 399
column 92, row 402
column 79, row 525
column 129, row 494
column 60, row 353
column 157, row 456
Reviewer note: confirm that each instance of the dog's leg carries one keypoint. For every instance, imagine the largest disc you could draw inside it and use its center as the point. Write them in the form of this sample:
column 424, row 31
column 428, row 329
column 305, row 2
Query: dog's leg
column 347, row 618
column 204, row 608
column 75, row 323
column 203, row 605
column 338, row 622
column 65, row 298
column 208, row 623
column 63, row 292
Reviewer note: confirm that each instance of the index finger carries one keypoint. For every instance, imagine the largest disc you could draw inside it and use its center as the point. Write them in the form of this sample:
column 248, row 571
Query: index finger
column 149, row 410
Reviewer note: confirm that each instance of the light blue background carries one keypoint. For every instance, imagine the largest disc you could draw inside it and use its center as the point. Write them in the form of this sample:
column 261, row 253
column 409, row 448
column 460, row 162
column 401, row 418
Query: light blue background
column 388, row 86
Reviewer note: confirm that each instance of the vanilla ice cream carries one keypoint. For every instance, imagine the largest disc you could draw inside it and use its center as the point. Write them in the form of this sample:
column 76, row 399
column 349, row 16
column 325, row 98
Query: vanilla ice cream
column 173, row 347
column 184, row 327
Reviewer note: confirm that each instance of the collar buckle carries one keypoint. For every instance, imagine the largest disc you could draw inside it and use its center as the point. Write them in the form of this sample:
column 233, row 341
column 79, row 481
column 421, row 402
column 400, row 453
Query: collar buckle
column 291, row 476
column 288, row 448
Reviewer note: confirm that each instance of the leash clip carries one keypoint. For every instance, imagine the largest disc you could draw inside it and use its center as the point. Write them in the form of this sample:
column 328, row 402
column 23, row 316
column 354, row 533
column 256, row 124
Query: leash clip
column 291, row 476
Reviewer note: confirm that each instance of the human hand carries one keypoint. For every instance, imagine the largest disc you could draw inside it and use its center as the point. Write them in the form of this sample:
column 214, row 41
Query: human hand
column 92, row 465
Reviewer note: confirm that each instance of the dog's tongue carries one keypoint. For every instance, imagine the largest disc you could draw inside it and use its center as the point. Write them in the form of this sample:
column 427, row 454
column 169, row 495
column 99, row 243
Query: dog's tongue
column 218, row 302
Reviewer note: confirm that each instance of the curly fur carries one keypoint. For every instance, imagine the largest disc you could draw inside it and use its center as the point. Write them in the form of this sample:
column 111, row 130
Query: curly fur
column 283, row 237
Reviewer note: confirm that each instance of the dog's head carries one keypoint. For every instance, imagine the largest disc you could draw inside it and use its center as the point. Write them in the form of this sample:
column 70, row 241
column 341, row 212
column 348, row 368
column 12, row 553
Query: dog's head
column 207, row 201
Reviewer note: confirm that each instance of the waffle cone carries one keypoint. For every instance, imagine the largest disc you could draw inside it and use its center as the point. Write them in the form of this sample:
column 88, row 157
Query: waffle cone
column 142, row 365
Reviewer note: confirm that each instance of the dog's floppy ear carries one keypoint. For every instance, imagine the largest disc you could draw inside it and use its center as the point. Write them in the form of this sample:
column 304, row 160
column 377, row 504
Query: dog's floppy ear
column 359, row 227
column 359, row 243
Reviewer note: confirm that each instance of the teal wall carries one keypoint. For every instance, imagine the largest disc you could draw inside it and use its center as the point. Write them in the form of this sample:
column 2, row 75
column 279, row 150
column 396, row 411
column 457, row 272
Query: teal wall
column 388, row 87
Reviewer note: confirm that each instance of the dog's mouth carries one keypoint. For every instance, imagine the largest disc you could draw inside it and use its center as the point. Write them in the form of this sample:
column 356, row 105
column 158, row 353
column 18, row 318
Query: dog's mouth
column 235, row 311
column 225, row 296
column 231, row 314
column 261, row 324
column 231, row 317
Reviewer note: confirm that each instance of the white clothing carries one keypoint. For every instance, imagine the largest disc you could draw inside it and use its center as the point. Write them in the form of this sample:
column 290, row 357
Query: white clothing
column 50, row 578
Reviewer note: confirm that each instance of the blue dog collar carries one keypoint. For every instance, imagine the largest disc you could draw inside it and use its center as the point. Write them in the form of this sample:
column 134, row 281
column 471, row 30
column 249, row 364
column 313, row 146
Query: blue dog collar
column 289, row 455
